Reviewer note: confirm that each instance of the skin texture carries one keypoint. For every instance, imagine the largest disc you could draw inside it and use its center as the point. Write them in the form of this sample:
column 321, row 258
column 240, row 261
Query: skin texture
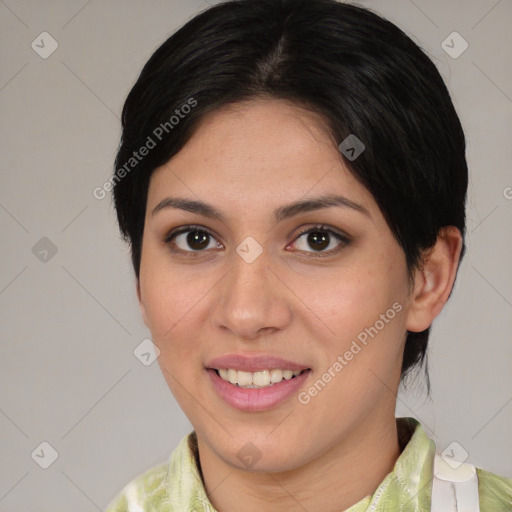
column 247, row 160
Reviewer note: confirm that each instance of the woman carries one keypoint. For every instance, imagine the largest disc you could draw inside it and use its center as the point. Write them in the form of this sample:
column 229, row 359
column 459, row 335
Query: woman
column 292, row 182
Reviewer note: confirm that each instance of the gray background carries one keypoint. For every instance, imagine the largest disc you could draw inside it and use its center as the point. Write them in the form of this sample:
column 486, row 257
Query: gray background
column 70, row 320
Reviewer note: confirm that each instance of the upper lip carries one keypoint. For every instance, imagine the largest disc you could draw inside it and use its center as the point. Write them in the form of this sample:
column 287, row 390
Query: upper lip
column 253, row 363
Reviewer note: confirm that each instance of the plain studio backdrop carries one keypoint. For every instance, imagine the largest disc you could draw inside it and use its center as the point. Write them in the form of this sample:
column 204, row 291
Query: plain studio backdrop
column 74, row 397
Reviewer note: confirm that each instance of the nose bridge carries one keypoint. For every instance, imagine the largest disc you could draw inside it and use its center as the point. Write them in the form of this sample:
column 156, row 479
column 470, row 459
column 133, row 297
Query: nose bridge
column 250, row 299
column 248, row 279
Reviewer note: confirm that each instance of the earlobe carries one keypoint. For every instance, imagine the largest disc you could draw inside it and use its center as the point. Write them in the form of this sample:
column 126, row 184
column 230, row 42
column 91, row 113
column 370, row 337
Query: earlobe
column 141, row 305
column 434, row 281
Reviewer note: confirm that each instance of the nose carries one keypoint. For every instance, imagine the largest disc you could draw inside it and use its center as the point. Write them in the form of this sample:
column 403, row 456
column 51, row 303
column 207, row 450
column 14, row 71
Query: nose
column 252, row 299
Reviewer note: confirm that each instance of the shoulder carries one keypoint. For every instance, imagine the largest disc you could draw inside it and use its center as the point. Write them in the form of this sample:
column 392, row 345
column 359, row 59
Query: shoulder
column 495, row 491
column 177, row 478
column 149, row 491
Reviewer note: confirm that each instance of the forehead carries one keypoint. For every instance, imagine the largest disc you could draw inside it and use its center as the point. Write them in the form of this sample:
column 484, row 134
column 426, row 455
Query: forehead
column 263, row 134
column 255, row 153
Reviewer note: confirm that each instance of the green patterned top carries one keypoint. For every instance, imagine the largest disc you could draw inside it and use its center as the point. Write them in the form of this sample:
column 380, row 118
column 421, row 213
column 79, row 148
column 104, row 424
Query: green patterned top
column 176, row 485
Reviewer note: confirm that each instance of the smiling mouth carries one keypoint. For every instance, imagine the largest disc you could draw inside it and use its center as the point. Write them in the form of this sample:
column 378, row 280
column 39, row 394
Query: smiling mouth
column 259, row 379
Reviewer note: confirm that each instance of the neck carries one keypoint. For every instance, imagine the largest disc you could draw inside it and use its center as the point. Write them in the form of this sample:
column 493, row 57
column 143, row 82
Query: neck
column 350, row 470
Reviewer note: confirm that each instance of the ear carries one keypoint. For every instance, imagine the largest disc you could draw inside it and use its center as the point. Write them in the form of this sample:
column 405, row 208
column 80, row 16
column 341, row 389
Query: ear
column 433, row 282
column 141, row 305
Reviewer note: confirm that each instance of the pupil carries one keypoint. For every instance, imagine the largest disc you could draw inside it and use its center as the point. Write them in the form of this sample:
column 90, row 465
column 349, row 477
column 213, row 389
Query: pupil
column 194, row 240
column 318, row 236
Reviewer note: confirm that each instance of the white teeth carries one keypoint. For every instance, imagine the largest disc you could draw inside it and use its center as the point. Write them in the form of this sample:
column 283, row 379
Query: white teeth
column 244, row 378
column 276, row 375
column 262, row 378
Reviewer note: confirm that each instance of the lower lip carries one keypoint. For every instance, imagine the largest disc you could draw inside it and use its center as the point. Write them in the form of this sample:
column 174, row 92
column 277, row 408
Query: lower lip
column 256, row 399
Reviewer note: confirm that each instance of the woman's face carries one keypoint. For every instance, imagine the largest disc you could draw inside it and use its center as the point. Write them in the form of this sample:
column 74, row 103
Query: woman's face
column 252, row 285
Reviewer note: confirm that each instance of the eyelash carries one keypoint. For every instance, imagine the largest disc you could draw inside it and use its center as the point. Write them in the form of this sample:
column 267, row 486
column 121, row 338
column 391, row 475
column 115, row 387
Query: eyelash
column 318, row 228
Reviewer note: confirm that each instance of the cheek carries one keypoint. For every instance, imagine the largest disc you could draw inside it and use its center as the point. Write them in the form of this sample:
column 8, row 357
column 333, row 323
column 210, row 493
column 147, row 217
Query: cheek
column 350, row 300
column 359, row 310
column 173, row 303
column 168, row 296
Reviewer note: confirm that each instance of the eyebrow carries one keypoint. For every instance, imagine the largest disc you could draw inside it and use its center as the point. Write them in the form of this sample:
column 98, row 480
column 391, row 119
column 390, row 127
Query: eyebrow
column 281, row 213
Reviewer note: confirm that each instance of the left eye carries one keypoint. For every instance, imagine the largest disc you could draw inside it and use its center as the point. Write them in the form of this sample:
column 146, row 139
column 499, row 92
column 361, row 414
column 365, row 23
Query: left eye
column 320, row 238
